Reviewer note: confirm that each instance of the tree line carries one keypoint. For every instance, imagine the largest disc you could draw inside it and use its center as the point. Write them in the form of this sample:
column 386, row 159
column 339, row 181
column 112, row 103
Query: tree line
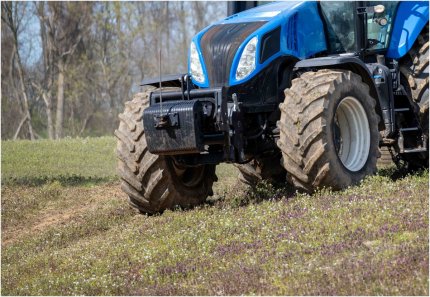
column 68, row 67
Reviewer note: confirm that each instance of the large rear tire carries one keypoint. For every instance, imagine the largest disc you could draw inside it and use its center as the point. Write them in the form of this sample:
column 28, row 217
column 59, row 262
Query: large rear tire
column 386, row 159
column 152, row 182
column 329, row 130
column 415, row 69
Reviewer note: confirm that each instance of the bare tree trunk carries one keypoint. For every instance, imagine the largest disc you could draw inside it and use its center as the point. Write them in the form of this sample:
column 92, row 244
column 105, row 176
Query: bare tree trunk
column 25, row 118
column 47, row 51
column 13, row 81
column 60, row 101
column 184, row 41
column 24, row 94
column 9, row 13
column 84, row 125
column 167, row 26
column 48, row 107
column 49, row 116
column 199, row 15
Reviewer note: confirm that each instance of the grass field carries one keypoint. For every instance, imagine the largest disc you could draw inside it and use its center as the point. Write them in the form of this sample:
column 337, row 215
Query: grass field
column 70, row 161
column 67, row 230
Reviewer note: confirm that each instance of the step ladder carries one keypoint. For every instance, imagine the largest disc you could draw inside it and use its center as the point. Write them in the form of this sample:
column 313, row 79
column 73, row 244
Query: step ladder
column 410, row 131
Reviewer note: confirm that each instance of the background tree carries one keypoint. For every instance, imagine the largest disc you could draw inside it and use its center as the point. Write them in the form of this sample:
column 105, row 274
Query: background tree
column 13, row 14
column 80, row 61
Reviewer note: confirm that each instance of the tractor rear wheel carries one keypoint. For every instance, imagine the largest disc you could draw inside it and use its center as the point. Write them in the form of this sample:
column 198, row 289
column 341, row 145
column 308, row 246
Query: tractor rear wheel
column 415, row 69
column 152, row 182
column 329, row 130
column 386, row 159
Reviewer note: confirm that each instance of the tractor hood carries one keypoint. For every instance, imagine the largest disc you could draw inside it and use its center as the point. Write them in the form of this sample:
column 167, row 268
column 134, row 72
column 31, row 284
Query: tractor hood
column 235, row 49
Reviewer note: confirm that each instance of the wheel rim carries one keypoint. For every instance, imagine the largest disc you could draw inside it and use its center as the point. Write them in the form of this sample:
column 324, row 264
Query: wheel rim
column 189, row 176
column 351, row 134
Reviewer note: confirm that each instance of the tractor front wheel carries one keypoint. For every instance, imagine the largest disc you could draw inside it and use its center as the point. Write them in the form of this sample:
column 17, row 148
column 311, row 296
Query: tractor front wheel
column 329, row 130
column 152, row 182
column 266, row 168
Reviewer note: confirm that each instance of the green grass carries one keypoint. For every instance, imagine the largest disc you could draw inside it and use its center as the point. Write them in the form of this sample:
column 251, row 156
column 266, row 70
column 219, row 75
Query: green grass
column 371, row 239
column 70, row 161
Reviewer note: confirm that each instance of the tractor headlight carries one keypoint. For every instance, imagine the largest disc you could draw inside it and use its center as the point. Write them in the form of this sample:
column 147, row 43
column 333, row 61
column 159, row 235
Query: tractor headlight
column 247, row 59
column 196, row 68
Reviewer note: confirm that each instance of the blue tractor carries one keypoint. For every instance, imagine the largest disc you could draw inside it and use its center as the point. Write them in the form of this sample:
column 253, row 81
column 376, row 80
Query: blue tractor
column 300, row 92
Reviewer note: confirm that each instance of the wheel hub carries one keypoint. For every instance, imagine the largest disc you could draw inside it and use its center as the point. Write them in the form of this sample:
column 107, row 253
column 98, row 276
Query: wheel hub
column 189, row 176
column 351, row 134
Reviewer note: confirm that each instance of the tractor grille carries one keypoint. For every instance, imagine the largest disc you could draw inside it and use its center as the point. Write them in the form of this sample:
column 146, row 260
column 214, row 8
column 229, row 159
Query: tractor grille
column 219, row 45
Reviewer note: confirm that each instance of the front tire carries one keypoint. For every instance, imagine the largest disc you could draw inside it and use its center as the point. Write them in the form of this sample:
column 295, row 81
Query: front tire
column 329, row 130
column 266, row 168
column 152, row 182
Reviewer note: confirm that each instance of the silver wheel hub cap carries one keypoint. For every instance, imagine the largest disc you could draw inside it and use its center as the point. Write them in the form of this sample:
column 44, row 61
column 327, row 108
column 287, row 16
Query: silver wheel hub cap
column 353, row 141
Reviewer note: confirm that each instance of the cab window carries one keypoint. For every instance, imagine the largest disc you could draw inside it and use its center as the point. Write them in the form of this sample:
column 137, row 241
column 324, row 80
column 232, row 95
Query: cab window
column 379, row 24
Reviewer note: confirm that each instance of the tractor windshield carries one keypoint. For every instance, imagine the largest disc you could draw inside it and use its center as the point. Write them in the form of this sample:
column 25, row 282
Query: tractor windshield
column 339, row 18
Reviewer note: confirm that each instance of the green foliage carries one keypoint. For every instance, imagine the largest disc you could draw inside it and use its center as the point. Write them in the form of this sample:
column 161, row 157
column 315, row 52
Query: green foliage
column 371, row 239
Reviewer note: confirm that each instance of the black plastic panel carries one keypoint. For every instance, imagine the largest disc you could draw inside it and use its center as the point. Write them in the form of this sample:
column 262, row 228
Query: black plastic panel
column 262, row 89
column 270, row 44
column 219, row 45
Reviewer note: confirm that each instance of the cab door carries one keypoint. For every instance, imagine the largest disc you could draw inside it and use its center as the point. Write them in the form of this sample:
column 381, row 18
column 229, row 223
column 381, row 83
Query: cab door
column 379, row 25
column 340, row 19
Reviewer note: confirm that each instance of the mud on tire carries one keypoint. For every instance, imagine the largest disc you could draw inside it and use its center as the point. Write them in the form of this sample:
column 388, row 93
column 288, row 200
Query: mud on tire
column 309, row 147
column 262, row 168
column 414, row 68
column 155, row 183
column 386, row 159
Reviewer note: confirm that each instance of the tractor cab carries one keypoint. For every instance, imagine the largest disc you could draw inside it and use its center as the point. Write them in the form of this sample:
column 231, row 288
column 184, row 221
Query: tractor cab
column 351, row 28
column 345, row 21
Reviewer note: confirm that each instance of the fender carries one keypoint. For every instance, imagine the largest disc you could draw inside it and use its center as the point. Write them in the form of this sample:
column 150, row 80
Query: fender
column 354, row 64
column 411, row 18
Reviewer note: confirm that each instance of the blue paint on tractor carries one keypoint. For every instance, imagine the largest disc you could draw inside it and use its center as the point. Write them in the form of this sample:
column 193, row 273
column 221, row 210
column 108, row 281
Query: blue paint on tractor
column 411, row 17
column 302, row 34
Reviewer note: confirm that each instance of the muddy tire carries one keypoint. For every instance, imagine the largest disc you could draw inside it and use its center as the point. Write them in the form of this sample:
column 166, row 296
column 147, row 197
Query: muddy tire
column 264, row 168
column 415, row 71
column 415, row 68
column 386, row 159
column 155, row 183
column 320, row 117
